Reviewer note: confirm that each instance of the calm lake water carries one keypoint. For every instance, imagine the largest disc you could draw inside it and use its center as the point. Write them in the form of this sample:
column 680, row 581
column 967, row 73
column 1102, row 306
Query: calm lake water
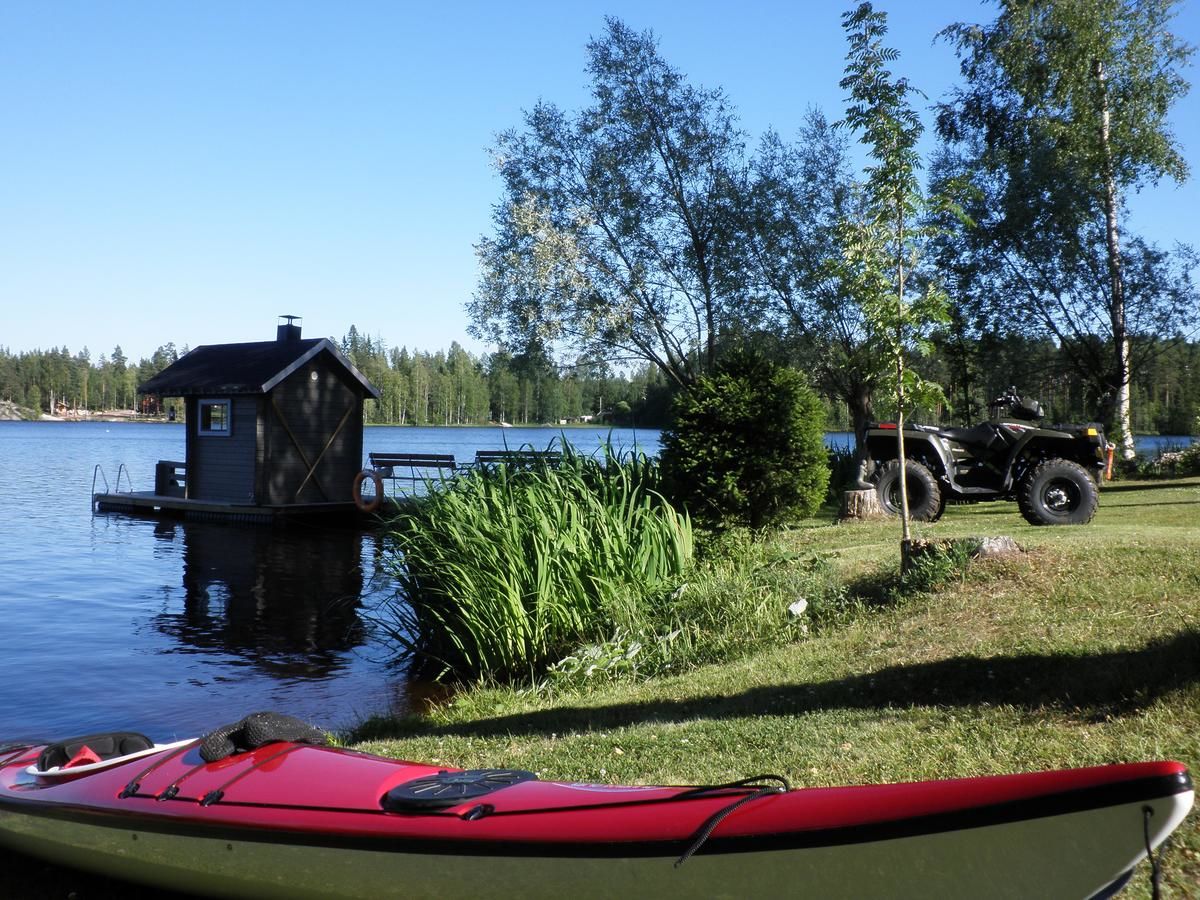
column 172, row 628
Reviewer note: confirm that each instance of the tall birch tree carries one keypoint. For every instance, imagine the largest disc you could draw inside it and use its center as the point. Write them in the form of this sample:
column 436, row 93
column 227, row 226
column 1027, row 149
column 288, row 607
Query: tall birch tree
column 1066, row 110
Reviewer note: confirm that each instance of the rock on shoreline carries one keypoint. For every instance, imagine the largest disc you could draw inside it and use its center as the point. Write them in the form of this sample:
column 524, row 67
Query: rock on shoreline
column 10, row 412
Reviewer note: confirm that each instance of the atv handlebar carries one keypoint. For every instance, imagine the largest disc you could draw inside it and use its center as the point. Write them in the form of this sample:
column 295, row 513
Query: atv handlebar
column 1016, row 405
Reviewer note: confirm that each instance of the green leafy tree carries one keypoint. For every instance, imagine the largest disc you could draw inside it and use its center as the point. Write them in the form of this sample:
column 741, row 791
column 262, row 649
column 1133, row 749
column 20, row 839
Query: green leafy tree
column 799, row 195
column 1064, row 113
column 121, row 379
column 883, row 244
column 616, row 233
column 82, row 377
column 747, row 445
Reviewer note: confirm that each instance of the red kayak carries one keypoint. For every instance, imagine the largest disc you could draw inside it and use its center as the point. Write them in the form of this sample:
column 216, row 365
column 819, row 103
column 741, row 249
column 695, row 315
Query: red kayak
column 292, row 820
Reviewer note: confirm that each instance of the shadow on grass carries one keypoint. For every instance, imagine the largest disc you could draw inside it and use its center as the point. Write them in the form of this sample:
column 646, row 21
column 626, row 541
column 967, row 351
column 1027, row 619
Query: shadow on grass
column 1163, row 484
column 1158, row 503
column 1119, row 489
column 1092, row 686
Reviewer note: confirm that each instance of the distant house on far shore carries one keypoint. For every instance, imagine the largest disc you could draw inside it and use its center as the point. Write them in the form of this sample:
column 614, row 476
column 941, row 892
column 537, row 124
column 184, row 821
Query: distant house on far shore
column 269, row 423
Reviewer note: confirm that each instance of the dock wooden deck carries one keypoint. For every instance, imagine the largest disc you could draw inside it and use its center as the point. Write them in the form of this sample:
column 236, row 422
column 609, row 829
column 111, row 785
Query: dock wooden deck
column 171, row 479
column 150, row 503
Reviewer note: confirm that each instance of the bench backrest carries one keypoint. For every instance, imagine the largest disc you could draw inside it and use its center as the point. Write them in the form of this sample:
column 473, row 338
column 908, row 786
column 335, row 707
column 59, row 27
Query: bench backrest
column 412, row 461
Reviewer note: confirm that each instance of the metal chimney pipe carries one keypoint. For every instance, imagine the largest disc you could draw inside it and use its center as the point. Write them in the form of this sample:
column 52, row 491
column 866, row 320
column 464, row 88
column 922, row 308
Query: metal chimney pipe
column 289, row 330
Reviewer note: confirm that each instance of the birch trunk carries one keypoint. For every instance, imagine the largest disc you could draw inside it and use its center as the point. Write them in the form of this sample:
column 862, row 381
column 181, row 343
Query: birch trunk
column 1116, row 276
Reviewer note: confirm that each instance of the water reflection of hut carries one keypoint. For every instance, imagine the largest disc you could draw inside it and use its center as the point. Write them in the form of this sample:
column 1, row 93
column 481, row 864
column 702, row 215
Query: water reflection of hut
column 272, row 427
column 285, row 601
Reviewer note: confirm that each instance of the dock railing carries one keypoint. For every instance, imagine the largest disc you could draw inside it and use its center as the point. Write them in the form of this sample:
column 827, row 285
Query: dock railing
column 414, row 468
column 170, row 478
column 419, row 468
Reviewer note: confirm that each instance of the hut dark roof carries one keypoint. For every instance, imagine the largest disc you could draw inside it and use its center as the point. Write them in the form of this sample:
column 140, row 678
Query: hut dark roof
column 250, row 368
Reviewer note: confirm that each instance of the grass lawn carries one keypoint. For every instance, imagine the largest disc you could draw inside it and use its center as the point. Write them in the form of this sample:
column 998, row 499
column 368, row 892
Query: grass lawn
column 1084, row 650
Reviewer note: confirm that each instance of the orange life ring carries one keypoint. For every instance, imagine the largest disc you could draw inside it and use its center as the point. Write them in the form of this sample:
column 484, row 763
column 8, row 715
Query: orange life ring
column 371, row 504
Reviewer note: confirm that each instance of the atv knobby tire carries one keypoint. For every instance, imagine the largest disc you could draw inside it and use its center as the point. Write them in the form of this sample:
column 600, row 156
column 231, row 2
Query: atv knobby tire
column 925, row 503
column 1058, row 492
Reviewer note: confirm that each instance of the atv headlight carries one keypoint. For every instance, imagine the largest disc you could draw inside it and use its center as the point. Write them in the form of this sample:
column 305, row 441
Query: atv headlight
column 1092, row 432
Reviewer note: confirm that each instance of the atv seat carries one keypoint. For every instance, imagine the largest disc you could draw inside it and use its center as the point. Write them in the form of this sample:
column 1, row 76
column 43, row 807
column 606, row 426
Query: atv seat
column 980, row 435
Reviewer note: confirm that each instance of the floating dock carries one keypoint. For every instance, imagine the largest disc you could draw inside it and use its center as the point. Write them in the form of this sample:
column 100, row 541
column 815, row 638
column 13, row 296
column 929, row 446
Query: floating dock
column 152, row 504
column 170, row 488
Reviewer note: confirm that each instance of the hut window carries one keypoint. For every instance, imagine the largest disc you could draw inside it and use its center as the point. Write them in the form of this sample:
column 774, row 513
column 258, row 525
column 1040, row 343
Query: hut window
column 214, row 417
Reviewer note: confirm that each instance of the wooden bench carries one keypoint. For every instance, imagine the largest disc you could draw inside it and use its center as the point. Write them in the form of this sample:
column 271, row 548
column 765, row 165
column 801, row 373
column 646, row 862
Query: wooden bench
column 420, row 465
column 485, row 458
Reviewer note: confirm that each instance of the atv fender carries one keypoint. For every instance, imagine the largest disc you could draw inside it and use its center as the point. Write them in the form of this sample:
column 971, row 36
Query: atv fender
column 916, row 444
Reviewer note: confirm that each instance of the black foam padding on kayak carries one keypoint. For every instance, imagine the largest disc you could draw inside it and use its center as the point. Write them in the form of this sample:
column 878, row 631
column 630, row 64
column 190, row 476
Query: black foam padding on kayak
column 257, row 730
column 107, row 745
column 447, row 789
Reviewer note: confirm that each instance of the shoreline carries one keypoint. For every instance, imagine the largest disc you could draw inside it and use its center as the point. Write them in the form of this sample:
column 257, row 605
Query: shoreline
column 10, row 412
column 128, row 417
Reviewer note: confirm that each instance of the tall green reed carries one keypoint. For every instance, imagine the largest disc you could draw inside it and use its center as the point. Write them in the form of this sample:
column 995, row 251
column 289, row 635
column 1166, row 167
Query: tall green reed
column 505, row 569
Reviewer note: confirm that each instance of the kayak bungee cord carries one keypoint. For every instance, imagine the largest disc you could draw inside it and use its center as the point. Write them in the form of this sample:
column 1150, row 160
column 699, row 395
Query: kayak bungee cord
column 408, row 798
column 710, row 825
column 172, row 789
column 16, row 749
column 1155, row 868
column 135, row 783
column 254, row 730
column 215, row 796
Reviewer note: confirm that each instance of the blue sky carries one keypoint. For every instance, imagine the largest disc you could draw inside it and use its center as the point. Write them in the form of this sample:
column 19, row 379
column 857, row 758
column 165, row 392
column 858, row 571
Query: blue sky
column 186, row 171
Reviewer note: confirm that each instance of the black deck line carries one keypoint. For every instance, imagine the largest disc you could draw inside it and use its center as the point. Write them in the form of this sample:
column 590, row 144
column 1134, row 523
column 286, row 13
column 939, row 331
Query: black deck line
column 131, row 786
column 20, row 748
column 1080, row 800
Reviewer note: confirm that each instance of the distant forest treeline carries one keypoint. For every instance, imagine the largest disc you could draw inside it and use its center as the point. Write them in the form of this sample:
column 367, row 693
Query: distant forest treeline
column 455, row 387
column 451, row 387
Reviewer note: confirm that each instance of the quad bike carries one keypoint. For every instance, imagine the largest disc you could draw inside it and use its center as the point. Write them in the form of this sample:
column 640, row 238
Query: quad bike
column 1053, row 473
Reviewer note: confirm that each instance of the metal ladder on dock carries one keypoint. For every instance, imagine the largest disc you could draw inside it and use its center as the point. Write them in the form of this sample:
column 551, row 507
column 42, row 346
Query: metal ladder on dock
column 98, row 472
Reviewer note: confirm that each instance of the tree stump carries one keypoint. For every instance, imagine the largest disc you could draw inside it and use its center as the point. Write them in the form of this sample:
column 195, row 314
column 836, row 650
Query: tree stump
column 860, row 505
column 914, row 550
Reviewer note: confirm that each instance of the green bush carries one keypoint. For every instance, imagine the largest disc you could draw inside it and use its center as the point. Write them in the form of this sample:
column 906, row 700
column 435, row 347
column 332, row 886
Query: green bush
column 505, row 570
column 933, row 565
column 747, row 446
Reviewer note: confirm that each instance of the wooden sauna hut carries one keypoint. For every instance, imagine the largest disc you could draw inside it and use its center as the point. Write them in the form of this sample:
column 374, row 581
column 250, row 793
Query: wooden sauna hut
column 273, row 427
